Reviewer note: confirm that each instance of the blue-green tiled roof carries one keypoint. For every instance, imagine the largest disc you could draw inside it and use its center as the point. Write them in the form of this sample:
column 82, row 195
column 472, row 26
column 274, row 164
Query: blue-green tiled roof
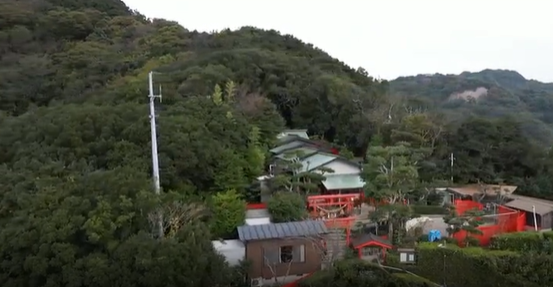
column 343, row 181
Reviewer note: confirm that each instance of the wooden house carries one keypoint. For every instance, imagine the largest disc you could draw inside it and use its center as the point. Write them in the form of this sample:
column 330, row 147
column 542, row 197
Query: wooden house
column 283, row 252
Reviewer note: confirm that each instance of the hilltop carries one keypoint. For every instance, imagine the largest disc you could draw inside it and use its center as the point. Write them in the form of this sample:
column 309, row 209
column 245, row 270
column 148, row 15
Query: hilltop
column 489, row 93
column 73, row 52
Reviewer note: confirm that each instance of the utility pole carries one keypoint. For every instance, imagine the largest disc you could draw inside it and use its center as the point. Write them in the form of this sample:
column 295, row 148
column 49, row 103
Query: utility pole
column 158, row 229
column 451, row 161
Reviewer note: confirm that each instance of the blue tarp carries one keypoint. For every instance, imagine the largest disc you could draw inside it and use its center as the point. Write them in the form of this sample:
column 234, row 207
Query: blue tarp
column 434, row 235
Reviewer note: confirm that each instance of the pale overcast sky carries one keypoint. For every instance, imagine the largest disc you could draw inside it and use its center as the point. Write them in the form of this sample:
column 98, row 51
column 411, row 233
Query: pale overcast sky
column 391, row 38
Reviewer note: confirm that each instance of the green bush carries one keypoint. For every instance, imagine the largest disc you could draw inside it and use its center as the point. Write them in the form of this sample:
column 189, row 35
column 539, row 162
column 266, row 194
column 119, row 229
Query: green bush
column 392, row 258
column 428, row 209
column 548, row 235
column 519, row 241
column 408, row 280
column 451, row 240
column 356, row 272
column 286, row 207
column 318, row 279
column 423, row 238
column 477, row 267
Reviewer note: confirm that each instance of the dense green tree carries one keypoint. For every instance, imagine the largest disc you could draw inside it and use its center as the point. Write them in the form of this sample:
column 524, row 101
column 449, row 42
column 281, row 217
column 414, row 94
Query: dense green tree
column 391, row 175
column 76, row 231
column 229, row 212
column 287, row 206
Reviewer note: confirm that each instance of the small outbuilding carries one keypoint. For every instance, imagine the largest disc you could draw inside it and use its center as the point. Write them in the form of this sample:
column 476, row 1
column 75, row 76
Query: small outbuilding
column 371, row 247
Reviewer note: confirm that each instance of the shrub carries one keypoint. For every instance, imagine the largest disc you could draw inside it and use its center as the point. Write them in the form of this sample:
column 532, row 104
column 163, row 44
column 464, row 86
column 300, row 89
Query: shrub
column 451, row 240
column 356, row 272
column 428, row 209
column 286, row 207
column 471, row 241
column 408, row 280
column 548, row 235
column 518, row 241
column 476, row 267
column 318, row 279
column 229, row 212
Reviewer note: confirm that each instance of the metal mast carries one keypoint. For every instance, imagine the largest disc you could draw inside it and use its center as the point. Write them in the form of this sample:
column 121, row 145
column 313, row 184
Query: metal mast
column 158, row 230
column 451, row 162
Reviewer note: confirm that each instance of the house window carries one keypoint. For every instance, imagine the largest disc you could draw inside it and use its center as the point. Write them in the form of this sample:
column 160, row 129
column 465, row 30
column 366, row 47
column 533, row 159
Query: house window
column 407, row 256
column 290, row 253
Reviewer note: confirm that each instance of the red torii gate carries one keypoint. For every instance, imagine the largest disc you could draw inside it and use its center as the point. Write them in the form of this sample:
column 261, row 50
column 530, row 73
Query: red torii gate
column 336, row 210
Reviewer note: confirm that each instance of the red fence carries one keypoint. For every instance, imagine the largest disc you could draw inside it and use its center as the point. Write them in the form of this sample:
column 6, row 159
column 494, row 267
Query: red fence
column 253, row 206
column 504, row 221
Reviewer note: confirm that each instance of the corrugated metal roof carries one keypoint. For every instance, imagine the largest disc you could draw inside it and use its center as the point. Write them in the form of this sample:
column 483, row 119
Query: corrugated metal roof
column 490, row 189
column 528, row 204
column 281, row 230
column 528, row 198
column 317, row 160
column 343, row 181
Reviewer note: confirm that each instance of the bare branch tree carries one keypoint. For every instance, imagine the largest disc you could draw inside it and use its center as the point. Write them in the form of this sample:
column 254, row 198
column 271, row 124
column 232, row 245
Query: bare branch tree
column 176, row 214
column 273, row 269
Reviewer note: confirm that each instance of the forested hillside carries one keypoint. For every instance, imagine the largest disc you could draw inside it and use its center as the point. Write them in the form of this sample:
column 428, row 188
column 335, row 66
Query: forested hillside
column 75, row 173
column 75, row 145
column 489, row 94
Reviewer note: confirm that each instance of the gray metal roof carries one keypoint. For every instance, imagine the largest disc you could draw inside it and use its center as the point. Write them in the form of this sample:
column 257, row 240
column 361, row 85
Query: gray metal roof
column 281, row 230
column 317, row 160
column 297, row 133
column 289, row 145
column 298, row 152
column 528, row 204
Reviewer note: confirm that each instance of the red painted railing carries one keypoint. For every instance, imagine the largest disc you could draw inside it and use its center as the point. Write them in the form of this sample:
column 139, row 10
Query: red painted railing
column 253, row 206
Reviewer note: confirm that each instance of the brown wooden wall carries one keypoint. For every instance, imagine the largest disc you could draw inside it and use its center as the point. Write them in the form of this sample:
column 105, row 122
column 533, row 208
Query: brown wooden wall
column 255, row 253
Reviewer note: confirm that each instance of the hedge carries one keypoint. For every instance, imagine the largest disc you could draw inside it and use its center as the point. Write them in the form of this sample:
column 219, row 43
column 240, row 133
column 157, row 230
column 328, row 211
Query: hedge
column 356, row 272
column 408, row 280
column 548, row 235
column 477, row 267
column 428, row 209
column 518, row 241
column 533, row 242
